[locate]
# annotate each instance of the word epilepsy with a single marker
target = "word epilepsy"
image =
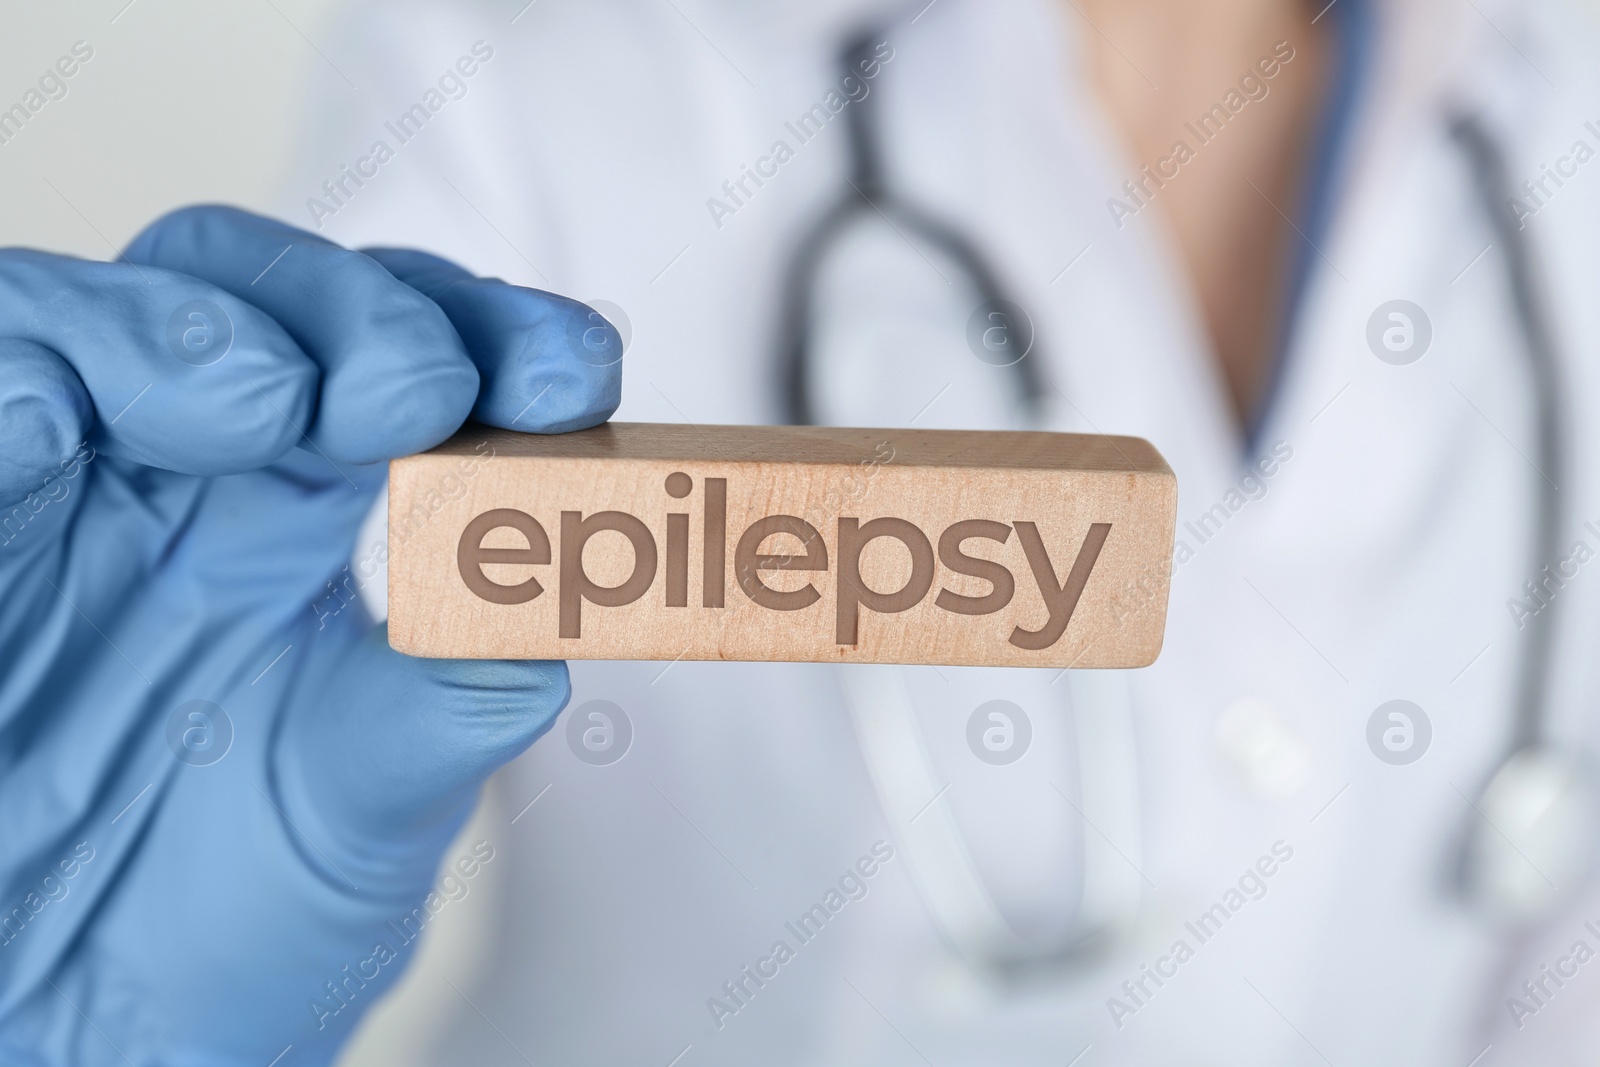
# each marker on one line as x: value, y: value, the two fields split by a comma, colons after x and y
x: 1058, y: 599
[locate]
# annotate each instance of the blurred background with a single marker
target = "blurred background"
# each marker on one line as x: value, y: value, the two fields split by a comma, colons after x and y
x: 182, y: 101
x: 186, y: 101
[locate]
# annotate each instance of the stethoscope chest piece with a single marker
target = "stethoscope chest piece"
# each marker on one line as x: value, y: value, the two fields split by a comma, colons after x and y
x: 1533, y: 837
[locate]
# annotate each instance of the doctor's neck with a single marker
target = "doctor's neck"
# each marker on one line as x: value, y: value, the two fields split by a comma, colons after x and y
x: 1220, y: 100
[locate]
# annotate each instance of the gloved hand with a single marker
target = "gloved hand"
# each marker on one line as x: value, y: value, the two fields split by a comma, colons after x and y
x: 189, y: 440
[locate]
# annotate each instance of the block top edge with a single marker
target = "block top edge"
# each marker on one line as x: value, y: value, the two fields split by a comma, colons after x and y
x: 1002, y: 449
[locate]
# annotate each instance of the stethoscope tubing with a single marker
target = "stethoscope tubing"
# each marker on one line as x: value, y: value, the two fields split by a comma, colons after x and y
x: 1486, y: 162
x: 870, y: 194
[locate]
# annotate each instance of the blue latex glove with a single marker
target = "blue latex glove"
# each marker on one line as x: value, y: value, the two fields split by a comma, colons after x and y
x: 189, y: 440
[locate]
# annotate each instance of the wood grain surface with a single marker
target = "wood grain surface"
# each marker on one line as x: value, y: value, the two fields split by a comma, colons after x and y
x: 825, y: 545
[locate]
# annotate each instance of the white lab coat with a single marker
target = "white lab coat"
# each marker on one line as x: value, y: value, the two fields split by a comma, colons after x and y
x: 1377, y: 565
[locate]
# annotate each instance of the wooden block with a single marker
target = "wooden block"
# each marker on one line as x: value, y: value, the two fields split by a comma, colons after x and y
x: 640, y: 541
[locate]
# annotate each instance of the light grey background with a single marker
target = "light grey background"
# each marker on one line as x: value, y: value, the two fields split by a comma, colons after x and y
x: 184, y: 101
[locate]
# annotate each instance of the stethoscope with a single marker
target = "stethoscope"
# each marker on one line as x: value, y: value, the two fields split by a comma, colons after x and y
x: 1529, y: 838
x: 1526, y: 843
